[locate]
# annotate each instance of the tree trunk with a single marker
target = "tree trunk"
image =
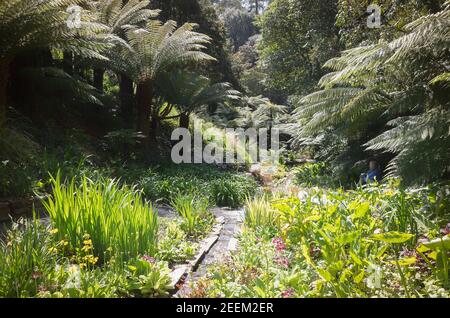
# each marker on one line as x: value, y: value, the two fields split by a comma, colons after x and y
x: 68, y: 63
x: 98, y: 79
x: 4, y: 76
x: 184, y: 120
x: 126, y: 100
x: 144, y: 96
x: 155, y: 124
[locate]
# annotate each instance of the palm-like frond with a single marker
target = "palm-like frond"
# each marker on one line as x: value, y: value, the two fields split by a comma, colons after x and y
x: 189, y: 91
x: 404, y: 81
x: 157, y: 48
x: 117, y: 15
x: 30, y: 24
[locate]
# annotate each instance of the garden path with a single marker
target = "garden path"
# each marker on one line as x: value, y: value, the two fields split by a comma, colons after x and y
x: 225, y: 245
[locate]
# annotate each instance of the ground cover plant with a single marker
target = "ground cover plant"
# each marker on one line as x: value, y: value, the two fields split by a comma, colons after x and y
x: 102, y: 240
x: 377, y: 241
x: 222, y: 188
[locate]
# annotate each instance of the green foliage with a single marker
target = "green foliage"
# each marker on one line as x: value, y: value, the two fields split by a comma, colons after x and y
x: 112, y: 217
x: 363, y: 93
x: 33, y: 263
x: 259, y: 214
x: 231, y: 192
x: 174, y: 245
x: 188, y: 92
x: 24, y: 253
x: 297, y: 38
x: 164, y: 182
x: 149, y: 277
x: 335, y: 243
x: 193, y: 211
x: 314, y: 174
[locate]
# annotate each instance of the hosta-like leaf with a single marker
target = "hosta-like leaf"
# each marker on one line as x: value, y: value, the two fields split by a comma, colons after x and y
x: 392, y: 237
x: 439, y: 243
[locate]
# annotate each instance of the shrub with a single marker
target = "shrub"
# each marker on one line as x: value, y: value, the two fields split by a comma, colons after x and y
x: 336, y: 243
x: 231, y: 192
x: 174, y: 245
x: 26, y: 256
x: 314, y: 174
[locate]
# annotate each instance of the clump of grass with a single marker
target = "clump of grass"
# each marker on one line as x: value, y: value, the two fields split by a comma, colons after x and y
x: 25, y: 255
x: 231, y: 192
x: 115, y: 218
x: 193, y: 211
x: 259, y: 213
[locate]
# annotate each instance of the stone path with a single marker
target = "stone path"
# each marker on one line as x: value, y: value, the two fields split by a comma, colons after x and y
x: 225, y: 245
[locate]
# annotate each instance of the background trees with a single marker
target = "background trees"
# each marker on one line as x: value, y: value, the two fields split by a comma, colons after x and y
x: 30, y: 25
x: 297, y: 38
x: 384, y: 97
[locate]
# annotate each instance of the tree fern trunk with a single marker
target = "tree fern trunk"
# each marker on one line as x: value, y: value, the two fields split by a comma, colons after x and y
x: 126, y: 100
x: 68, y: 63
x: 4, y: 76
x: 144, y: 96
x: 184, y: 120
x: 98, y: 79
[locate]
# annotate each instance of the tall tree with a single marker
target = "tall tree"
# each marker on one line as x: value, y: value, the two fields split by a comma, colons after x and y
x: 188, y: 92
x: 26, y: 25
x: 117, y: 15
x: 202, y: 13
x: 298, y: 36
x: 153, y: 50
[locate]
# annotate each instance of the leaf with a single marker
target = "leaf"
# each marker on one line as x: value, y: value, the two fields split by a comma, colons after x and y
x: 355, y: 258
x: 422, y: 248
x: 407, y: 261
x: 361, y: 210
x: 347, y: 237
x: 392, y: 237
x: 438, y: 243
x: 305, y: 253
x: 433, y: 255
x: 325, y: 274
x: 358, y: 278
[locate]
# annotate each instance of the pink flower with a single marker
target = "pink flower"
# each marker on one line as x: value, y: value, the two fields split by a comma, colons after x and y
x: 148, y: 259
x: 42, y: 288
x: 35, y: 275
x: 282, y: 261
x: 279, y: 244
x: 446, y: 230
x: 287, y: 293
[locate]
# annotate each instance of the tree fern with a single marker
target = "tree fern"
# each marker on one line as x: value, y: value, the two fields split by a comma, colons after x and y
x: 403, y: 83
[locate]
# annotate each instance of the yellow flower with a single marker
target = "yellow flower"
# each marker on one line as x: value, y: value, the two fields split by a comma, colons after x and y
x: 86, y: 248
x: 91, y: 259
x: 82, y: 265
x: 133, y: 268
x: 73, y: 269
x: 63, y: 242
x: 54, y: 231
x: 52, y: 250
x: 87, y: 242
